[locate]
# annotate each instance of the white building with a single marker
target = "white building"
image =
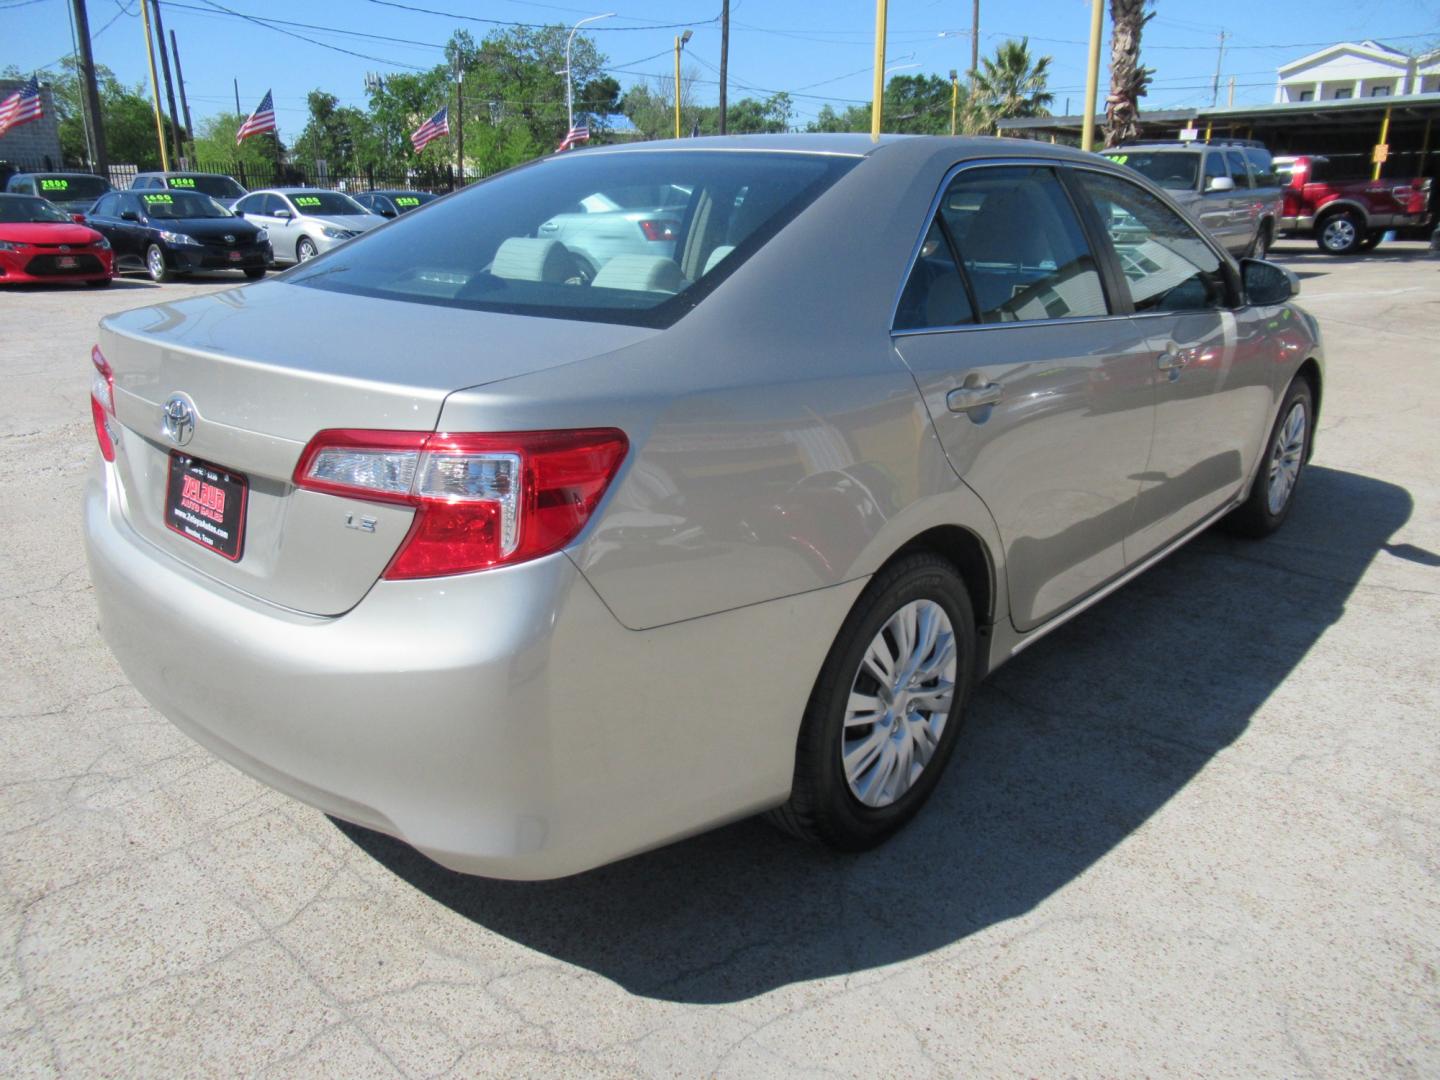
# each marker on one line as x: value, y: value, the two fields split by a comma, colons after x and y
x: 1356, y: 69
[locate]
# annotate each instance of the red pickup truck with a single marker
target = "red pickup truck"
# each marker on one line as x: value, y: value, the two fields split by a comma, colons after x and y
x: 1346, y: 216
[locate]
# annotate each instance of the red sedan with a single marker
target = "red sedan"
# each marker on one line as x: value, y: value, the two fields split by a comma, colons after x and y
x: 40, y: 243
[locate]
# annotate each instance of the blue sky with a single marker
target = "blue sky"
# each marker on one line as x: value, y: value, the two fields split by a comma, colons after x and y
x: 818, y: 49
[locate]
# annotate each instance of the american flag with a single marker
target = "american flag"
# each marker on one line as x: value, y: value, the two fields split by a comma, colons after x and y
x: 262, y: 119
x: 431, y: 129
x: 20, y: 107
x: 577, y: 134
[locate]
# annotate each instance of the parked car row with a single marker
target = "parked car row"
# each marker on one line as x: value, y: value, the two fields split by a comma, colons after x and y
x: 170, y: 224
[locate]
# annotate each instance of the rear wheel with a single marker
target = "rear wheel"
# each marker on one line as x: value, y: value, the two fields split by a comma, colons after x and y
x: 886, y: 709
x: 1260, y: 246
x: 1269, y: 502
x: 1341, y: 233
x: 155, y: 264
x: 305, y: 249
x: 1371, y: 242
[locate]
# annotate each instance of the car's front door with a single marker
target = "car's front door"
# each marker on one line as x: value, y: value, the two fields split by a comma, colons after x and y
x: 1041, y: 395
x: 1213, y: 361
x: 130, y: 232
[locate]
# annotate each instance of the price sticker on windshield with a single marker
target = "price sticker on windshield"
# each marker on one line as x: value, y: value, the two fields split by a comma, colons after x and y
x: 182, y: 181
x: 306, y: 200
x: 1118, y: 159
x: 54, y: 185
x: 160, y: 198
x: 406, y: 200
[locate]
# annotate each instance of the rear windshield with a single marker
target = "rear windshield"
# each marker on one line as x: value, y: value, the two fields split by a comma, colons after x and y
x: 172, y: 205
x: 1172, y: 169
x: 325, y: 203
x: 25, y: 210
x: 221, y: 187
x: 635, y: 238
x: 70, y: 188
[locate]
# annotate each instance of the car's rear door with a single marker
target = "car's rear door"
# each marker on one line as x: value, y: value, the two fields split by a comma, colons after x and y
x: 1215, y: 209
x: 1213, y: 361
x: 1040, y: 390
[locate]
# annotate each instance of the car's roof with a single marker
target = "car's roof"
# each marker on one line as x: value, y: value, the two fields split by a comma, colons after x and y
x: 297, y: 191
x: 389, y: 191
x: 181, y: 172
x: 1174, y: 148
x: 57, y: 172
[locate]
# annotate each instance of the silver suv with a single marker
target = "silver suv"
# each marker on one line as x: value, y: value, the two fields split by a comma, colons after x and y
x: 1230, y: 187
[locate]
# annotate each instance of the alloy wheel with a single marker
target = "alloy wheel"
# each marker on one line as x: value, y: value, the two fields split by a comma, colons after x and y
x: 1339, y: 234
x: 899, y: 703
x: 155, y: 264
x: 1286, y: 457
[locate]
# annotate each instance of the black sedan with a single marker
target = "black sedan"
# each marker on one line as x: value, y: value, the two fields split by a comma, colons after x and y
x: 169, y: 233
x: 392, y: 203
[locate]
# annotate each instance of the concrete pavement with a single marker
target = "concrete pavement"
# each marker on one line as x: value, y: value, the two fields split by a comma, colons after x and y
x: 1196, y: 831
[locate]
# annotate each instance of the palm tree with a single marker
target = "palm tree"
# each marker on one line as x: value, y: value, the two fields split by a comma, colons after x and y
x: 1011, y: 84
x: 1128, y: 80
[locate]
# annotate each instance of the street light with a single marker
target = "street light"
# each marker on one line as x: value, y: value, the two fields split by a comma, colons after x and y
x: 680, y: 43
x: 569, y: 87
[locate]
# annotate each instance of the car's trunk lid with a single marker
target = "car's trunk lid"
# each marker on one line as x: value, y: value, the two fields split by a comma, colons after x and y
x: 262, y: 369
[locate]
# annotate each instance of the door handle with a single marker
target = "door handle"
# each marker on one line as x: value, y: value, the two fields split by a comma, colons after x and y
x: 1172, y: 359
x: 965, y: 398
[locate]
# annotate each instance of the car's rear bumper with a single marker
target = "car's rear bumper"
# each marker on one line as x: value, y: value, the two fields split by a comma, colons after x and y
x: 504, y: 722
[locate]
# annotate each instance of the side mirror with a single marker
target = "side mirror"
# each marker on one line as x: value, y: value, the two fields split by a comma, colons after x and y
x: 129, y: 215
x: 283, y: 214
x: 1220, y: 183
x: 387, y: 212
x: 1266, y: 284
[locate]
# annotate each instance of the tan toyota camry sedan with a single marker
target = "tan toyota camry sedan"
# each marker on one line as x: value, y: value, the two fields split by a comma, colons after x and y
x: 536, y: 558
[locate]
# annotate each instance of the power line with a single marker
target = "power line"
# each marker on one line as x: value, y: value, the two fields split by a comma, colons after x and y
x: 312, y: 41
x: 539, y: 26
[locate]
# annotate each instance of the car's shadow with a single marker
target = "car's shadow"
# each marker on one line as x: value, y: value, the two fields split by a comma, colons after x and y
x: 1068, y: 749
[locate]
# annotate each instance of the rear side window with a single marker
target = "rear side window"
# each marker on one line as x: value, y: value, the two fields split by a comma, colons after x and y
x: 1166, y: 265
x: 1021, y: 247
x: 1262, y: 165
x: 935, y: 295
x: 635, y: 238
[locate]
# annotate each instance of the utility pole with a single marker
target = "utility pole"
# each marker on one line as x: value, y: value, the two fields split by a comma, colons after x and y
x: 237, y: 100
x: 169, y: 86
x: 877, y: 106
x: 954, y: 98
x: 89, y: 95
x: 1219, y: 63
x: 724, y: 57
x: 184, y: 105
x: 154, y: 87
x: 974, y: 42
x: 681, y: 41
x: 460, y: 117
x: 1092, y: 76
x: 1231, y: 103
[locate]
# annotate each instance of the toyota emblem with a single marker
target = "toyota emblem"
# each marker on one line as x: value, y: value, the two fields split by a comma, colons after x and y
x: 64, y: 247
x: 229, y: 239
x: 179, y: 420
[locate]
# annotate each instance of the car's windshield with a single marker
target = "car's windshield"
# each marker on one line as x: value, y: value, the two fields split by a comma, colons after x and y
x: 527, y: 242
x: 171, y: 205
x: 326, y: 203
x: 71, y: 188
x: 220, y: 187
x: 23, y: 210
x: 1172, y: 169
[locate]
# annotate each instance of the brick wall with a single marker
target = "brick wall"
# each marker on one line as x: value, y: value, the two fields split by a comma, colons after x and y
x: 30, y: 144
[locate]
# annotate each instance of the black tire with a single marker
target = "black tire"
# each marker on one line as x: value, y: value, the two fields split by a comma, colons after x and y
x: 1340, y: 233
x: 822, y: 807
x: 1372, y: 241
x: 305, y: 249
x: 100, y: 283
x: 1260, y: 246
x: 157, y: 266
x: 1255, y: 517
x: 256, y: 273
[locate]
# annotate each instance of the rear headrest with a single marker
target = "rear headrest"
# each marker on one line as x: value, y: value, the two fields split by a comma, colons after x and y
x: 527, y: 259
x: 640, y: 273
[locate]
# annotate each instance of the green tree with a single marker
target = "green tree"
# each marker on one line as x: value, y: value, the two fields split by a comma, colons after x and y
x: 332, y: 134
x: 215, y: 149
x: 917, y: 105
x: 854, y: 118
x: 1010, y: 84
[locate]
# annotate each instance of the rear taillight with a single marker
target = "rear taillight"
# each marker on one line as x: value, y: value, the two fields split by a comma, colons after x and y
x: 658, y: 229
x: 480, y: 500
x: 102, y: 403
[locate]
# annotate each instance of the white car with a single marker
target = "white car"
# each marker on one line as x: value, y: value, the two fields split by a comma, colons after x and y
x: 305, y: 222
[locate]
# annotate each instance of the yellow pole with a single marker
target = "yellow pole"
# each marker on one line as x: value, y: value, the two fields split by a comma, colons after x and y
x: 877, y: 108
x: 1424, y: 147
x: 1384, y: 134
x: 677, y: 86
x: 154, y: 85
x: 1092, y: 76
x: 954, y: 99
x: 1209, y: 127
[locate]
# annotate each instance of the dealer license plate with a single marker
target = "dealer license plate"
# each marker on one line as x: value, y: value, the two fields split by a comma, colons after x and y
x: 67, y: 262
x: 206, y: 504
x: 236, y: 256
